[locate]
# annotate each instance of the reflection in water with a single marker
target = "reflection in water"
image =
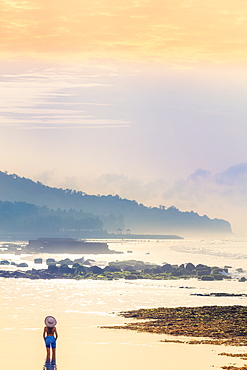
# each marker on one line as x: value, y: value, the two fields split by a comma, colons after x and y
x: 50, y: 365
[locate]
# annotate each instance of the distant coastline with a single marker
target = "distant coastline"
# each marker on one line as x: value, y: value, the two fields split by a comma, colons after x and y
x: 142, y: 236
x: 11, y: 237
x: 37, y: 210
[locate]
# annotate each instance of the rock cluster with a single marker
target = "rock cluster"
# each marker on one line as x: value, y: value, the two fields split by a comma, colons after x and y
x: 130, y: 270
x: 223, y: 324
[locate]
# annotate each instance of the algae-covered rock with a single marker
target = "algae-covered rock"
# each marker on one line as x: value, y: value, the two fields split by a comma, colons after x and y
x: 95, y: 270
x: 167, y: 268
x: 111, y: 268
x: 4, y: 262
x: 217, y: 277
x: 50, y: 260
x: 66, y: 261
x: 207, y: 278
x: 38, y: 260
x: 242, y: 279
x: 131, y: 277
x: 189, y: 266
x: 64, y: 269
x: 52, y: 268
x: 22, y: 264
x: 224, y: 324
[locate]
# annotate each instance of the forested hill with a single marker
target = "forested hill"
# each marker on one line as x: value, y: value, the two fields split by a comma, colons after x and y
x: 21, y: 218
x: 116, y: 214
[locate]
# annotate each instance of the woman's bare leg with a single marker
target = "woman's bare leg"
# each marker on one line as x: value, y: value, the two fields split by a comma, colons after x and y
x: 53, y: 354
x: 48, y: 353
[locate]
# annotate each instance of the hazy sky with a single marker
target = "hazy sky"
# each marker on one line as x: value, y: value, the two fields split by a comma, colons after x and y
x: 145, y: 99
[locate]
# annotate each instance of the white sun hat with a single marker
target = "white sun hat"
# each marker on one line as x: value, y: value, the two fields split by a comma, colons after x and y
x: 50, y: 321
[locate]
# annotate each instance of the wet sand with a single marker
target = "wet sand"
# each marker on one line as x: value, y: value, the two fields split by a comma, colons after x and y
x: 88, y: 346
x: 80, y: 310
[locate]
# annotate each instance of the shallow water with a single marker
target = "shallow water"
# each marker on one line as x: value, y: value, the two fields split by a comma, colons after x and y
x: 81, y: 307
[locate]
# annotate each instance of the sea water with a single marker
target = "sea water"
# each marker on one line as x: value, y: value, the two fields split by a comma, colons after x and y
x: 83, y: 307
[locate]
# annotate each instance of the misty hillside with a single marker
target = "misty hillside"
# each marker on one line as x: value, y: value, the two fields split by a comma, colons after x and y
x: 115, y: 214
x: 20, y: 218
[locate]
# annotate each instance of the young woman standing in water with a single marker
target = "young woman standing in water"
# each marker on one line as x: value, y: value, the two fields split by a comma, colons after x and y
x: 50, y: 336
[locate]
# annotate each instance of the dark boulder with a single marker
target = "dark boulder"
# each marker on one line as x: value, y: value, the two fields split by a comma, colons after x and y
x: 200, y: 266
x: 79, y: 260
x: 5, y: 274
x: 64, y: 269
x: 180, y: 272
x: 205, y: 271
x: 167, y: 268
x: 4, y: 262
x: 239, y: 269
x: 157, y: 270
x: 112, y: 269
x: 45, y: 275
x: 189, y: 266
x: 81, y: 268
x: 242, y: 279
x: 95, y: 270
x: 66, y: 261
x: 38, y: 260
x: 148, y: 271
x: 129, y: 268
x: 19, y: 274
x: 88, y: 262
x: 131, y: 277
x: 53, y: 269
x: 75, y: 265
x: 22, y: 264
x: 207, y: 278
x: 50, y: 260
x: 218, y: 277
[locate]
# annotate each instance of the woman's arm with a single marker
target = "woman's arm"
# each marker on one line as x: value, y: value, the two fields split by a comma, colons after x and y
x: 56, y: 334
x: 45, y: 330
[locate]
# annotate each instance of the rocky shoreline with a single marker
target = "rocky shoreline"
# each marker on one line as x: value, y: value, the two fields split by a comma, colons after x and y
x: 218, y: 324
x: 129, y: 270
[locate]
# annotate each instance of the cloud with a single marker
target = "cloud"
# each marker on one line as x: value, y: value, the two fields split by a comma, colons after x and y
x: 200, y: 192
x: 127, y: 187
x: 203, y: 186
x: 58, y: 99
x: 220, y: 195
x: 234, y: 176
x: 200, y: 175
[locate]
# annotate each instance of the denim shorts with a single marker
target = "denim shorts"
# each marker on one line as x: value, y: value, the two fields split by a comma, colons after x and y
x: 50, y: 341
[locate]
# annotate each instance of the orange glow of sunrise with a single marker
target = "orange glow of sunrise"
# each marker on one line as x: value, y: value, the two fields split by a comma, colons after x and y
x: 128, y: 29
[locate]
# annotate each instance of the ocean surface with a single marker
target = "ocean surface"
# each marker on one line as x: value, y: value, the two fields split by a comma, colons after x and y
x: 82, y: 307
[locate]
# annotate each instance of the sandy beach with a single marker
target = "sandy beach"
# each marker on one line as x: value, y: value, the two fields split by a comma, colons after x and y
x: 82, y: 343
x: 81, y: 308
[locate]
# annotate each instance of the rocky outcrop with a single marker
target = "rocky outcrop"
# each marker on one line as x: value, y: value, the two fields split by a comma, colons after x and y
x: 130, y: 270
x: 223, y: 324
